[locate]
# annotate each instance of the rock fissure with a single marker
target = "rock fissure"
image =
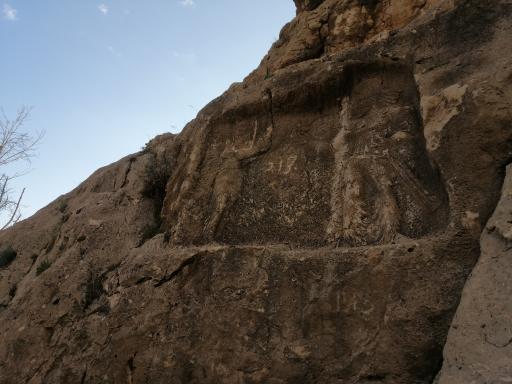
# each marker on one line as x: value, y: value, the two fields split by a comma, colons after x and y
x: 169, y: 277
x: 127, y: 172
x: 84, y: 376
x: 131, y: 368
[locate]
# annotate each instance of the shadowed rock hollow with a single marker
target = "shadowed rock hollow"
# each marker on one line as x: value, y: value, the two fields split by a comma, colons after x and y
x: 314, y: 224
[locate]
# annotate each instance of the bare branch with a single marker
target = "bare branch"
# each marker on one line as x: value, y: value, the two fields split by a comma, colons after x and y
x: 16, y: 145
x: 15, y: 217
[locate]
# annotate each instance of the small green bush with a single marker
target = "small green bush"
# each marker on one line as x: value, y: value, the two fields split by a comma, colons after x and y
x: 63, y: 205
x: 93, y: 290
x: 7, y: 255
x: 43, y: 267
x: 268, y: 75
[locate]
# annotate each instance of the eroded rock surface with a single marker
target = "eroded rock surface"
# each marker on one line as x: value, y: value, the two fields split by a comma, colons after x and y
x: 479, y: 347
x: 314, y: 224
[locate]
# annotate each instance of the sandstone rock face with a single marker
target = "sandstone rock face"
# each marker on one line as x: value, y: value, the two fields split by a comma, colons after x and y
x: 479, y: 347
x: 314, y: 224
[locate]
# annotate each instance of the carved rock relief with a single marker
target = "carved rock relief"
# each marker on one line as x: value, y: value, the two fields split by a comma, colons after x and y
x: 354, y: 172
x: 285, y: 193
x: 384, y: 183
x: 228, y: 181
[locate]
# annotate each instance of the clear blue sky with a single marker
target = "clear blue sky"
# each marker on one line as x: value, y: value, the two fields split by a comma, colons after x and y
x: 104, y: 77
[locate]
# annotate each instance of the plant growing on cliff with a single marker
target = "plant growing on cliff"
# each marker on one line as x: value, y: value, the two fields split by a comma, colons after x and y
x: 156, y: 176
x: 43, y: 267
x: 268, y: 75
x: 16, y: 145
x: 7, y: 255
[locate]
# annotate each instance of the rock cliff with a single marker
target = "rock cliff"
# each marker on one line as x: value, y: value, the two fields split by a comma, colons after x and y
x: 314, y: 224
x: 479, y: 343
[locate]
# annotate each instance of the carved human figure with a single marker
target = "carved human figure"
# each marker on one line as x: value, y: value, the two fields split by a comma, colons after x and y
x: 384, y: 183
x: 228, y: 181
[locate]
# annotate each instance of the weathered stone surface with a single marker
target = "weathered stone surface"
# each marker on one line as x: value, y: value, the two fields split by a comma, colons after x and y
x: 306, y: 5
x: 479, y: 346
x: 314, y: 224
